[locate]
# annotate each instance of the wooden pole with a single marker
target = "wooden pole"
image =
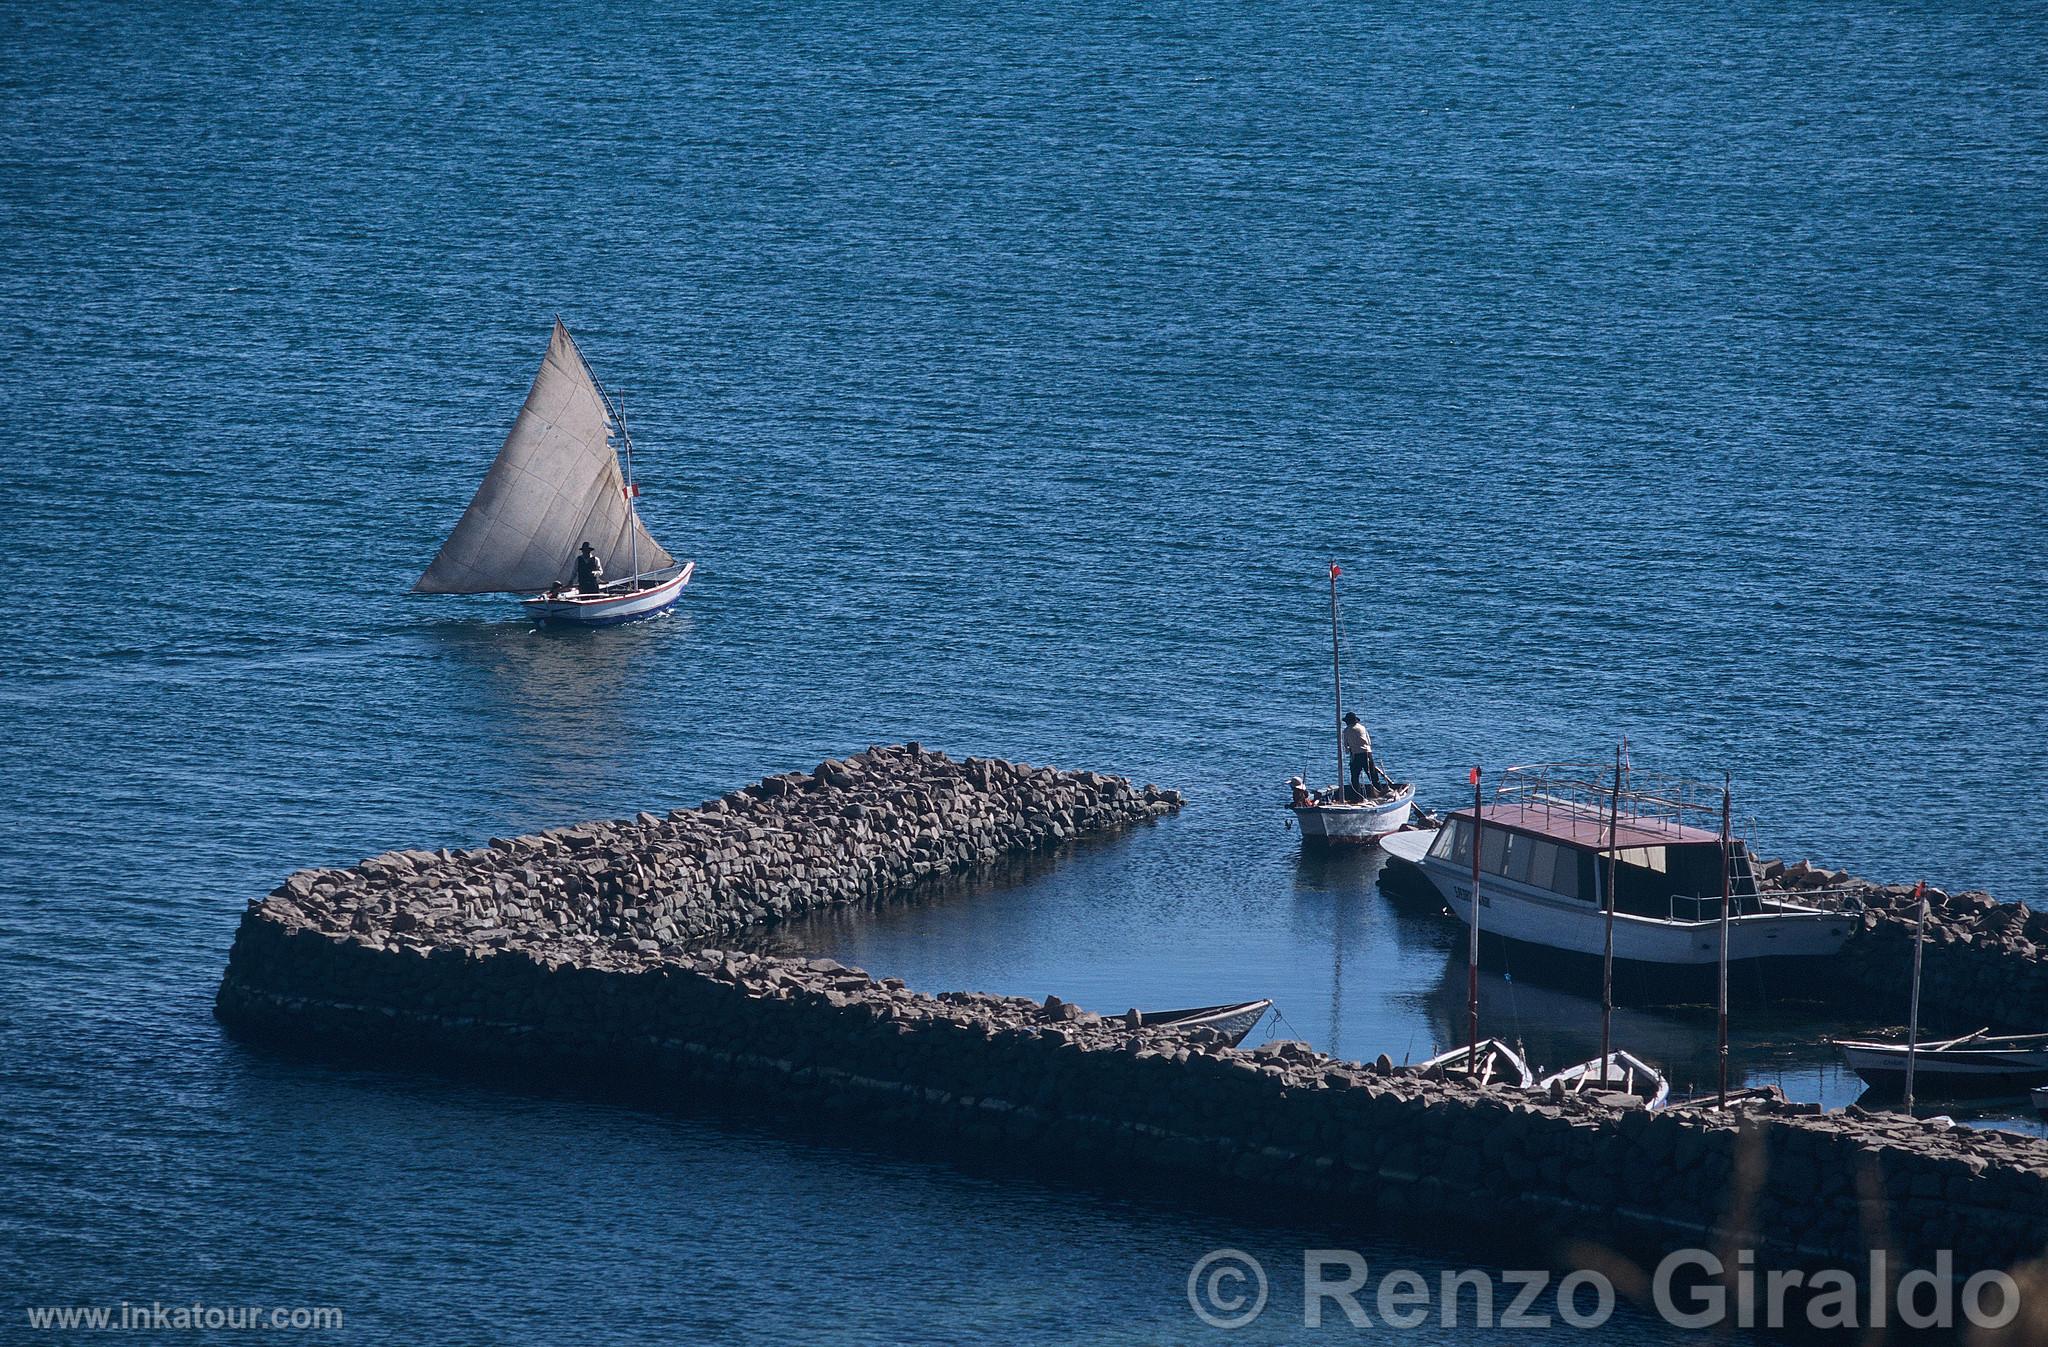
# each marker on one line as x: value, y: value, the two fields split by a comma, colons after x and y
x: 1607, y: 959
x: 1337, y: 677
x: 1913, y: 1013
x: 1472, y: 954
x: 1721, y: 1001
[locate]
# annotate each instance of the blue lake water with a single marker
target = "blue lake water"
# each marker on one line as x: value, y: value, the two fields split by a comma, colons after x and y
x: 1011, y: 377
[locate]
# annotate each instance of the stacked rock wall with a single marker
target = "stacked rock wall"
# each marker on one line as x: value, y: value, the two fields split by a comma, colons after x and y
x: 584, y: 949
x: 1282, y: 1125
x: 1985, y: 963
x: 862, y: 828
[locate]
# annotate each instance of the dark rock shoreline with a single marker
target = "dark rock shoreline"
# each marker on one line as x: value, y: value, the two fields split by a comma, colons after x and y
x: 590, y: 950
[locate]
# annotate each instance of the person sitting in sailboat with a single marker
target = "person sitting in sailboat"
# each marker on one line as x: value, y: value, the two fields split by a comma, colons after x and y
x: 590, y: 571
x: 1358, y: 744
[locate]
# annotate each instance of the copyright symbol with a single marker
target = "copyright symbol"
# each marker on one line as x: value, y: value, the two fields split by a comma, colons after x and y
x: 1216, y: 1288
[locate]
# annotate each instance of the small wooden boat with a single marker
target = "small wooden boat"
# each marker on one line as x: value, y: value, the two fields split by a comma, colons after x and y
x: 1498, y: 1064
x: 1341, y: 815
x: 555, y: 486
x: 1333, y: 820
x: 1234, y: 1022
x: 1617, y: 1073
x: 1970, y: 1064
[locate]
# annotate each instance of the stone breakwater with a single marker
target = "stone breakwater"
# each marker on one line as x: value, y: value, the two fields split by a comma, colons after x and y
x: 863, y: 828
x: 1047, y: 1083
x: 1985, y: 962
x: 585, y: 950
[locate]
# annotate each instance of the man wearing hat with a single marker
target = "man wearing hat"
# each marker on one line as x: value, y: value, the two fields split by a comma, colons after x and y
x: 1358, y: 744
x: 589, y: 572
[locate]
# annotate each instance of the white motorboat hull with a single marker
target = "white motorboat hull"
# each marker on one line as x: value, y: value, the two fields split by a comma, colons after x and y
x: 1520, y: 912
x: 1355, y: 824
x: 610, y: 607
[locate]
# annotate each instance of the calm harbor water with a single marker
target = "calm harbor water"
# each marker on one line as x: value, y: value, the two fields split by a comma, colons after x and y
x: 1011, y: 377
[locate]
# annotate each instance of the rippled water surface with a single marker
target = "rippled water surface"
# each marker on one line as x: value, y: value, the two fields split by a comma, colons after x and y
x: 1011, y: 377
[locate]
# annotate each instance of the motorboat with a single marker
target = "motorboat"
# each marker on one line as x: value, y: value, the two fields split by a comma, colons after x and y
x: 1554, y: 834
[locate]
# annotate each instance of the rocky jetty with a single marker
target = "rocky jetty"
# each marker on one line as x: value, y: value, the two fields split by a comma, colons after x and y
x: 593, y: 951
x: 1283, y: 1125
x: 862, y: 828
x: 1985, y: 961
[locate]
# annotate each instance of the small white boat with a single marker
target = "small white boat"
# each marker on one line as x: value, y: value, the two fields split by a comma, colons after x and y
x: 1234, y: 1022
x: 1498, y: 1064
x: 1335, y: 821
x: 613, y: 603
x: 556, y: 485
x: 1617, y: 1073
x: 1970, y: 1064
x: 1341, y: 815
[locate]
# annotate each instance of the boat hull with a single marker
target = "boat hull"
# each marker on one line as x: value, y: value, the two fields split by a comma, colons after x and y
x: 1354, y: 825
x: 1954, y: 1072
x: 610, y: 609
x: 1522, y: 914
x: 1233, y: 1022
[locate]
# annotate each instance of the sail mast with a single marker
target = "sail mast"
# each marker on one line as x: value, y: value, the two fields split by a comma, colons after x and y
x: 632, y: 493
x: 1337, y: 677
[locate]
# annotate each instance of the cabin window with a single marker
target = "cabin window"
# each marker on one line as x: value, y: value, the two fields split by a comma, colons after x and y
x: 1454, y: 843
x: 1564, y: 872
x: 1529, y: 859
x: 1493, y: 851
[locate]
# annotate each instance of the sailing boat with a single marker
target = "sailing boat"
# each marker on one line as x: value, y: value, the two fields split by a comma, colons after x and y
x: 556, y: 485
x: 1339, y: 816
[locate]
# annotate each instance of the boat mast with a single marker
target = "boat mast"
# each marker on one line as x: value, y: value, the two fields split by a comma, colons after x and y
x: 1721, y: 1046
x: 1472, y: 953
x: 632, y: 493
x: 1337, y: 676
x: 1607, y: 959
x: 1913, y: 1015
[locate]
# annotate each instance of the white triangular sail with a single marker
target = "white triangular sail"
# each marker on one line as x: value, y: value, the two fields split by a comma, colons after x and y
x: 554, y: 486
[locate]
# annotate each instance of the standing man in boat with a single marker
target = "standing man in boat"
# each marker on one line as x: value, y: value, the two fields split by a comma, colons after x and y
x: 590, y: 571
x: 1358, y: 744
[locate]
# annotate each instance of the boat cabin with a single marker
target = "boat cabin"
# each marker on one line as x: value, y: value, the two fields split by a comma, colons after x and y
x: 1663, y: 870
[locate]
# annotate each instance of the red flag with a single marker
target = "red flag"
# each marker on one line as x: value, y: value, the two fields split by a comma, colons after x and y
x: 1475, y: 776
x: 630, y: 492
x: 1335, y: 570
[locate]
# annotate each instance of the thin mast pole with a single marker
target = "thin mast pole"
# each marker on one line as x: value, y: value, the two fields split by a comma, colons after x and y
x: 1722, y: 1001
x: 1607, y: 961
x: 1472, y: 953
x: 1337, y: 677
x: 1913, y: 1015
x: 632, y: 501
